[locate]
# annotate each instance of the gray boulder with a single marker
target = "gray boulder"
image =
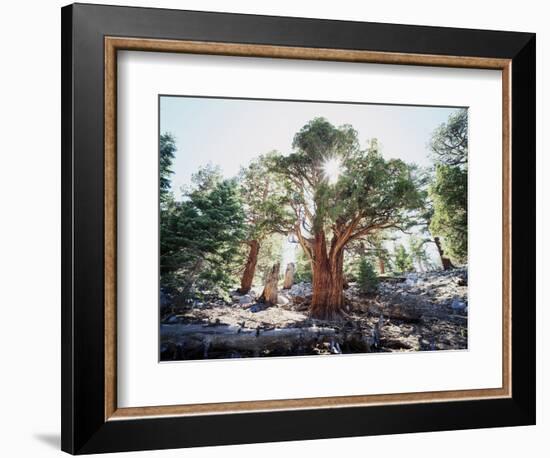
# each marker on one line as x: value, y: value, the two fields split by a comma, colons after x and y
x: 246, y: 300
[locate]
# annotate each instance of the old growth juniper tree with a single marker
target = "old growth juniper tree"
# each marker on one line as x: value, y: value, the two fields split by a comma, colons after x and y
x: 339, y: 193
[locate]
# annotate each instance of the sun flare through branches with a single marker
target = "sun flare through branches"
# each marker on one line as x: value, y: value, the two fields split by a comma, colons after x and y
x: 332, y: 168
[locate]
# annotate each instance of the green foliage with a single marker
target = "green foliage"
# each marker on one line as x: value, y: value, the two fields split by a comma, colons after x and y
x: 167, y: 152
x: 262, y: 197
x: 371, y: 248
x: 205, y: 179
x: 449, y: 189
x: 449, y: 143
x: 450, y: 220
x: 367, y: 280
x: 303, y: 267
x: 418, y: 252
x: 351, y: 262
x: 378, y: 248
x: 201, y: 237
x: 368, y: 194
x: 402, y: 259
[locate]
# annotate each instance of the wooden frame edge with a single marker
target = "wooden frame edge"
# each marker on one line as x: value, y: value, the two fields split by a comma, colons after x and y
x: 112, y: 45
x: 110, y: 202
x: 291, y: 52
x: 507, y: 227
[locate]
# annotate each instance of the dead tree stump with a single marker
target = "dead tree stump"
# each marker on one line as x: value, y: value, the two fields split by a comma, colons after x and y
x: 289, y: 276
x: 269, y: 295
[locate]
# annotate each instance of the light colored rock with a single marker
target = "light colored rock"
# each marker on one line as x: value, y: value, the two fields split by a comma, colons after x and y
x: 282, y: 300
x: 300, y: 289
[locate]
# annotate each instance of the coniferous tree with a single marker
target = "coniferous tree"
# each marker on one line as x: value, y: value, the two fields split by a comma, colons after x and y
x: 402, y: 259
x: 201, y: 236
x: 418, y: 253
x: 449, y: 189
x: 367, y: 279
x: 167, y: 153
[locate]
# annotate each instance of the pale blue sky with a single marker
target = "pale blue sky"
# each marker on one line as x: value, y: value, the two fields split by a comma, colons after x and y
x: 231, y: 132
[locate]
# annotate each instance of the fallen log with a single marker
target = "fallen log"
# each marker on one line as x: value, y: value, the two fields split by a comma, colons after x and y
x: 388, y: 279
x: 240, y: 337
x: 197, y: 339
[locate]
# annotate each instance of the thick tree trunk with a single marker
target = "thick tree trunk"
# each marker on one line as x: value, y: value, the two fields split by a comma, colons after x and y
x: 381, y: 266
x: 289, y: 276
x: 328, y: 282
x: 270, y: 293
x: 250, y: 267
x: 445, y: 261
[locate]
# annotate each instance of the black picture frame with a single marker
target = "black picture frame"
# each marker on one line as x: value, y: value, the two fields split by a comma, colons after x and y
x: 84, y: 428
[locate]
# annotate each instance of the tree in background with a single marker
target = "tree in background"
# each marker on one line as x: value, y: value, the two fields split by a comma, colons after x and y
x: 449, y: 189
x: 425, y: 217
x: 402, y: 259
x: 340, y: 193
x: 167, y: 151
x: 201, y: 236
x: 168, y: 209
x: 372, y: 248
x: 418, y: 253
x: 264, y: 209
x: 367, y: 280
x: 379, y: 250
x: 449, y: 143
x: 303, y: 267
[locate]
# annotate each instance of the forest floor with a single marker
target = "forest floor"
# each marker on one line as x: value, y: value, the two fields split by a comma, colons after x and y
x: 417, y: 312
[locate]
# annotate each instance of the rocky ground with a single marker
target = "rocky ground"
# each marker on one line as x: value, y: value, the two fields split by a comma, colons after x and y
x: 417, y: 312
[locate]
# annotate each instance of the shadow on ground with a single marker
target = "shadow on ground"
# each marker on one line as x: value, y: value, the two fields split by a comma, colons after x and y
x: 51, y: 439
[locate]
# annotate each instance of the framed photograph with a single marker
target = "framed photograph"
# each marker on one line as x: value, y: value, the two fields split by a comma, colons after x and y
x: 282, y: 228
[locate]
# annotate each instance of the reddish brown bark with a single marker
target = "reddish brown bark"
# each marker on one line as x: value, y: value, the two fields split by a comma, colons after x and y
x: 328, y: 281
x: 250, y: 267
x: 445, y: 261
x: 381, y: 266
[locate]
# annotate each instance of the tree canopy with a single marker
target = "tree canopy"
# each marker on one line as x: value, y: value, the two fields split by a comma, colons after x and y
x: 370, y: 193
x: 263, y: 200
x: 449, y: 189
x: 449, y: 142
